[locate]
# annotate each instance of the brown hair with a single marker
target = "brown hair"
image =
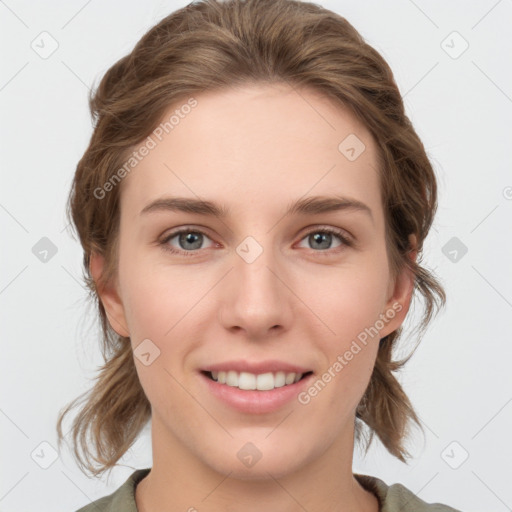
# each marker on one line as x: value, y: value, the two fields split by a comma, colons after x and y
x: 213, y: 45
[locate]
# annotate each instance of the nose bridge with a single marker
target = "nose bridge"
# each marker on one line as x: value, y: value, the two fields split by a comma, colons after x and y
x: 256, y: 265
x: 257, y: 299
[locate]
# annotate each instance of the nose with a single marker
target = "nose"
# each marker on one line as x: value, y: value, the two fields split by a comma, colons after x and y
x: 256, y: 298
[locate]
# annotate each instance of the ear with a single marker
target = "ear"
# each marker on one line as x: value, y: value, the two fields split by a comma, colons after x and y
x: 109, y: 296
x: 400, y: 294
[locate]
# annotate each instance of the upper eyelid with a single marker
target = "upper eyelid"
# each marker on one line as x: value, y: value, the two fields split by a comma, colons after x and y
x: 173, y: 232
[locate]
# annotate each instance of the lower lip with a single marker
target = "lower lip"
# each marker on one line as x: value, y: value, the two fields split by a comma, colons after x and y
x: 254, y: 401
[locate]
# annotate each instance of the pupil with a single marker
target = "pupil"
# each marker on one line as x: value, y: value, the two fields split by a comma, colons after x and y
x: 189, y: 238
x: 319, y: 236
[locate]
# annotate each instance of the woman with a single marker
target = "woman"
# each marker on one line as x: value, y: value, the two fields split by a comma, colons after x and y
x: 271, y: 138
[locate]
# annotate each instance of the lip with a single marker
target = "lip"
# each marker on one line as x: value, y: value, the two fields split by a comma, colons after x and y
x: 254, y: 401
x: 271, y: 365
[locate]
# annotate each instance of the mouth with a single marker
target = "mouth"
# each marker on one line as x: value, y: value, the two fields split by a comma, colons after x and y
x: 256, y: 382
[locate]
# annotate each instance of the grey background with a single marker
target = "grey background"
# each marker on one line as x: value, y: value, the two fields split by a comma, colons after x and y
x: 459, y: 380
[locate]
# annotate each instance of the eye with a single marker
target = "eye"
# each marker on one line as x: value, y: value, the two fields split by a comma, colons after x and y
x: 321, y: 238
x: 190, y: 240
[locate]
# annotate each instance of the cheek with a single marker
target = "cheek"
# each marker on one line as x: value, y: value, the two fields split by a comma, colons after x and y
x: 349, y: 300
x: 155, y: 298
x: 149, y: 311
x: 156, y: 309
x: 336, y: 391
x: 349, y: 310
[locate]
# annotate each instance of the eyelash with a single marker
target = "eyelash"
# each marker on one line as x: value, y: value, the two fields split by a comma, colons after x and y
x: 333, y: 231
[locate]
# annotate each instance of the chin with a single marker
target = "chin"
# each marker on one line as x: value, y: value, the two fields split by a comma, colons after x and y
x: 256, y: 473
x: 248, y: 463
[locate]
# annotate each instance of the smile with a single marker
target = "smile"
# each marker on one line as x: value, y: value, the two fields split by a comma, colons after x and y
x: 254, y: 393
x: 252, y: 381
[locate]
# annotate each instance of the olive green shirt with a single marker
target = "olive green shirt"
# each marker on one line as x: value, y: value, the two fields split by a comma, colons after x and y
x: 393, y: 498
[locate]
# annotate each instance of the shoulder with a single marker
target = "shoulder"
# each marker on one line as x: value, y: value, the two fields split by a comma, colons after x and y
x: 121, y: 500
x: 396, y: 497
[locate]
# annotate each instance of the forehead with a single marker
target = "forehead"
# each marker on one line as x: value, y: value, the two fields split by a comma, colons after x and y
x: 256, y: 144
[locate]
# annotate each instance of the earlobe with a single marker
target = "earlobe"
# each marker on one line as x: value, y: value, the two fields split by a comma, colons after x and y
x: 109, y: 296
x: 400, y: 297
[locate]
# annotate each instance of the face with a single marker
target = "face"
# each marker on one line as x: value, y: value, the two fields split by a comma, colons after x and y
x: 259, y: 285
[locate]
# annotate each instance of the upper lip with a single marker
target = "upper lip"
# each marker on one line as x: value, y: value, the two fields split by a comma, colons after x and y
x: 256, y: 367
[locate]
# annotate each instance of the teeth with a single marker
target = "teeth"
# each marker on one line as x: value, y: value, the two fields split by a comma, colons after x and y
x: 265, y: 381
x: 261, y: 382
x: 232, y: 379
x: 243, y: 381
x: 279, y: 379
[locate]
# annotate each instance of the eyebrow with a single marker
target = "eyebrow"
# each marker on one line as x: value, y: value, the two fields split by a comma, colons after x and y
x: 312, y: 205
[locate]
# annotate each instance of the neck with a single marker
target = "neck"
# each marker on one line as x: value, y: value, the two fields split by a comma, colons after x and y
x: 180, y: 481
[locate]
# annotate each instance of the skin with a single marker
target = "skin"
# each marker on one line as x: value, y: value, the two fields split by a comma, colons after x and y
x: 254, y: 149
